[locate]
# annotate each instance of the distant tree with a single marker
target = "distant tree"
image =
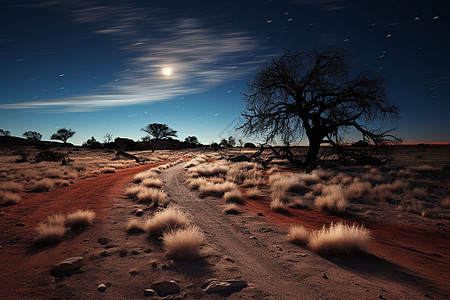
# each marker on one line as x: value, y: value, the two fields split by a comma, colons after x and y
x: 314, y: 94
x: 108, y: 138
x: 63, y: 134
x: 191, y: 140
x: 92, y: 143
x: 5, y: 132
x: 249, y: 145
x: 241, y: 142
x: 231, y: 142
x: 159, y: 131
x: 32, y: 135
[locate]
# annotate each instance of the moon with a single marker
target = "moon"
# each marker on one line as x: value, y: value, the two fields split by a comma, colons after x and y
x: 167, y: 71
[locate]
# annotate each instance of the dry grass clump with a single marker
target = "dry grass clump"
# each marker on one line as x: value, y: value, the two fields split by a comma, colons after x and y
x: 211, y: 169
x: 134, y: 226
x: 43, y: 185
x: 195, y: 183
x: 49, y: 233
x: 153, y: 196
x: 332, y: 199
x: 132, y: 191
x: 386, y: 191
x: 169, y: 219
x: 233, y: 196
x: 108, y: 170
x: 12, y: 187
x: 80, y: 218
x: 216, y: 189
x: 253, y: 193
x: 143, y: 175
x: 323, y: 174
x: 8, y: 198
x: 183, y: 243
x: 152, y: 182
x: 231, y: 209
x: 56, y: 220
x: 339, y: 239
x: 278, y: 206
x: 298, y: 235
x: 252, y: 182
x: 297, y: 203
x: 357, y: 189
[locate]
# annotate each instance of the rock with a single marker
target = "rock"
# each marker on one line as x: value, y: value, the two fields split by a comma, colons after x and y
x: 134, y: 272
x: 164, y: 288
x: 260, y: 214
x: 123, y: 253
x: 105, y: 254
x: 139, y: 212
x: 20, y: 224
x: 70, y: 264
x: 169, y: 264
x: 148, y: 250
x: 104, y: 241
x: 134, y: 252
x: 253, y: 237
x: 225, y: 287
x: 207, y: 282
x: 110, y: 246
x: 149, y: 292
x: 1, y: 247
x: 325, y: 276
x: 266, y: 230
x: 101, y: 287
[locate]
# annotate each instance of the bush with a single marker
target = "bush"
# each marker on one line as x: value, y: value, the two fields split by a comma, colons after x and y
x: 340, y: 239
x: 231, y: 209
x: 183, y: 243
x: 168, y: 219
x: 49, y: 233
x: 80, y: 218
x: 298, y: 235
x: 48, y: 155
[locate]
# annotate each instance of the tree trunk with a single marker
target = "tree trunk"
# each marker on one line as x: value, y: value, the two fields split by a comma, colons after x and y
x: 313, y: 151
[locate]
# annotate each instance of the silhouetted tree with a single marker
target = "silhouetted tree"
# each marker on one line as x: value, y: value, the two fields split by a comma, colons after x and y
x: 231, y: 142
x: 92, y: 143
x: 32, y: 135
x: 63, y: 134
x: 191, y: 140
x: 159, y: 131
x: 108, y: 138
x: 314, y: 94
x: 5, y: 132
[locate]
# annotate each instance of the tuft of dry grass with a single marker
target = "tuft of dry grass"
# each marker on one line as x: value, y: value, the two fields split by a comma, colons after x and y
x: 183, y: 243
x: 49, y: 233
x: 134, y: 226
x: 43, y: 185
x: 234, y: 196
x: 108, y: 170
x: 12, y: 187
x: 8, y: 198
x: 80, y: 218
x: 332, y: 199
x: 132, y: 191
x: 152, y: 182
x: 298, y: 235
x: 339, y: 239
x: 168, y: 219
x: 253, y: 193
x: 231, y: 209
x: 153, y: 196
x: 216, y: 189
x: 278, y: 206
x: 56, y: 220
x: 357, y: 189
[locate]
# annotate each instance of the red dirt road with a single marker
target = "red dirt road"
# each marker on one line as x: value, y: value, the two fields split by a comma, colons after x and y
x: 24, y: 269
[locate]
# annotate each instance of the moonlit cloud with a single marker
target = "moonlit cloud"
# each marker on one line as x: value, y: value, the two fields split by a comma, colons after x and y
x: 201, y: 57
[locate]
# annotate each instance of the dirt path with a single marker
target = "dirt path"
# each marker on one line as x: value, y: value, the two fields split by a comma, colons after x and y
x: 280, y: 270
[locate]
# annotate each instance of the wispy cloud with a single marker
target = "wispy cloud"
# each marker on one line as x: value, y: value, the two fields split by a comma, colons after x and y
x: 200, y: 56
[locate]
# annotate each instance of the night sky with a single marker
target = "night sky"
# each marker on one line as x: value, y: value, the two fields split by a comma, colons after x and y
x: 102, y: 67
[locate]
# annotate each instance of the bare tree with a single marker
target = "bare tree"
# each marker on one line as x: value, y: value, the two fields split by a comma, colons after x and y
x: 5, y: 132
x: 314, y: 94
x: 32, y: 135
x: 159, y: 131
x: 63, y: 134
x: 108, y: 138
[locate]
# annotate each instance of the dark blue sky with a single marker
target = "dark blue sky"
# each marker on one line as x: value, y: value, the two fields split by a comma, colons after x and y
x: 96, y: 66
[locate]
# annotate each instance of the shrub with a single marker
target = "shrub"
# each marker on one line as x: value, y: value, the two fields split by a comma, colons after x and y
x: 153, y: 196
x: 233, y: 196
x: 106, y: 170
x: 56, y: 220
x: 152, y: 182
x: 132, y: 191
x: 49, y: 233
x: 7, y: 198
x: 253, y: 193
x: 183, y: 243
x: 12, y: 187
x: 169, y: 219
x: 231, y: 209
x: 332, y: 199
x: 48, y: 155
x: 216, y: 189
x: 277, y: 206
x: 43, y: 185
x: 298, y: 235
x: 80, y: 218
x: 357, y: 189
x: 339, y: 239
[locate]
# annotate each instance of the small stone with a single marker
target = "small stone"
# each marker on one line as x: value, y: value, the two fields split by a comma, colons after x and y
x: 266, y: 230
x: 134, y: 252
x: 20, y: 224
x: 86, y: 240
x: 164, y: 288
x: 380, y: 296
x: 253, y: 237
x: 110, y: 246
x: 104, y: 241
x: 153, y: 263
x: 70, y: 264
x: 260, y: 214
x: 123, y: 253
x: 167, y: 265
x: 225, y: 287
x: 134, y: 272
x: 302, y: 255
x: 101, y: 287
x: 324, y: 276
x: 139, y: 212
x: 149, y: 292
x: 148, y: 250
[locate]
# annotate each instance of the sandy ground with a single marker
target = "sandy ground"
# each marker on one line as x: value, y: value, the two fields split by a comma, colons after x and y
x: 409, y: 262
